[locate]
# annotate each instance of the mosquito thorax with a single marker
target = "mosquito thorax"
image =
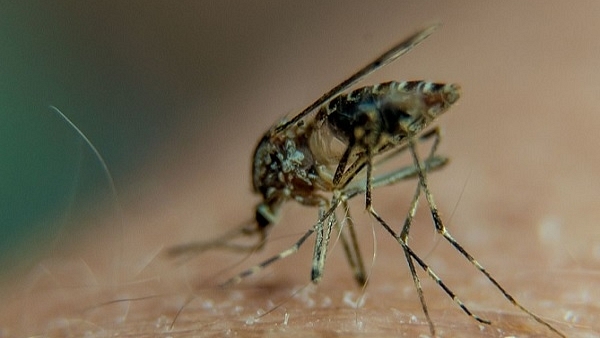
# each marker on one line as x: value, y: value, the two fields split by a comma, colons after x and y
x: 284, y: 168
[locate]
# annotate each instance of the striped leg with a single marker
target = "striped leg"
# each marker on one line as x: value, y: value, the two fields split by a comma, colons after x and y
x: 441, y: 229
x: 288, y: 252
x: 257, y: 268
x: 411, y: 265
x: 323, y: 230
x: 427, y: 269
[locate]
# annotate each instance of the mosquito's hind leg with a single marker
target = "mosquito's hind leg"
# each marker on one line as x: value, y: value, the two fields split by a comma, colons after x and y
x: 413, y: 256
x: 343, y: 177
x: 404, y: 235
x: 351, y: 247
x: 402, y: 238
x: 441, y: 229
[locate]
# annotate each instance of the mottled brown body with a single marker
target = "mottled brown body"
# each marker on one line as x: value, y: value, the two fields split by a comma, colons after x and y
x: 309, y: 158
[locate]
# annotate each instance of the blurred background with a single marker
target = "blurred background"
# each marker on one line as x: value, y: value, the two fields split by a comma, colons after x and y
x: 104, y: 66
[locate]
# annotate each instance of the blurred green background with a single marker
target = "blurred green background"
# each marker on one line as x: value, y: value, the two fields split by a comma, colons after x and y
x: 73, y: 55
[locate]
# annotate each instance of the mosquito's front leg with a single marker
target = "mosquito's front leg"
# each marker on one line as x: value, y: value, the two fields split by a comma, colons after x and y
x: 226, y: 242
x: 257, y: 268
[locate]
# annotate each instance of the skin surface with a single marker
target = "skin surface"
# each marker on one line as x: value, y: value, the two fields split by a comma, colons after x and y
x: 520, y: 192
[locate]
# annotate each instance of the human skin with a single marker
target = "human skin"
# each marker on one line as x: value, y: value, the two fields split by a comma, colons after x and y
x: 520, y: 193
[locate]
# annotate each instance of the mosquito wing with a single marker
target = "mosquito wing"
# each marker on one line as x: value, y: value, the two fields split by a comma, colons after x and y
x: 383, y: 60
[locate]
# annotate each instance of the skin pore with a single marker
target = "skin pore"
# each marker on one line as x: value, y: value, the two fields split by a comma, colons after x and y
x: 519, y: 193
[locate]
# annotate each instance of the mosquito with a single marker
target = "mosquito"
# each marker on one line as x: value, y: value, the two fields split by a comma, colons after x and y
x: 326, y: 155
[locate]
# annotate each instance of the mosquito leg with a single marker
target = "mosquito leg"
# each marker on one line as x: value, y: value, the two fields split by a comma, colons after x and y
x: 408, y: 251
x: 402, y: 241
x: 393, y: 177
x: 369, y: 187
x: 404, y: 234
x: 351, y: 248
x: 411, y: 265
x: 506, y: 295
x: 417, y: 282
x: 323, y: 230
x: 188, y: 250
x: 257, y: 268
x: 341, y: 167
x: 434, y: 132
x: 343, y: 176
x: 436, y: 161
x: 430, y: 163
x: 411, y: 215
x: 288, y: 252
x: 437, y: 138
x: 427, y: 269
x: 441, y: 229
x: 446, y: 289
